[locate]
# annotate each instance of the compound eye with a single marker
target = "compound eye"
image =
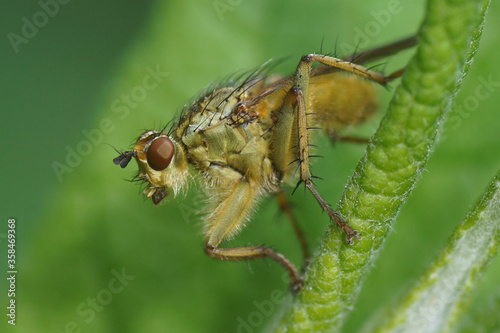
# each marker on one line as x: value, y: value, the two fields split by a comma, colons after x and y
x: 160, y: 153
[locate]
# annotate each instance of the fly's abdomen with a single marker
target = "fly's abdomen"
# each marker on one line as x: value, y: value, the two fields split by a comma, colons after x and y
x: 341, y: 99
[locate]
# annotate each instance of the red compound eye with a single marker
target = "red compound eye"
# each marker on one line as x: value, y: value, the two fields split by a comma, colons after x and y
x: 160, y: 153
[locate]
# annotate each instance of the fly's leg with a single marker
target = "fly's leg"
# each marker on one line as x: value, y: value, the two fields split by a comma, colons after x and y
x: 286, y: 208
x: 291, y: 127
x: 383, y: 51
x: 305, y: 172
x: 225, y: 221
x: 293, y: 112
x: 254, y: 252
x: 304, y: 69
x: 300, y: 90
x: 335, y: 137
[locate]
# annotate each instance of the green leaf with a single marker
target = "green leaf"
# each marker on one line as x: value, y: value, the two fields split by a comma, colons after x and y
x: 484, y: 318
x: 441, y: 296
x: 394, y: 159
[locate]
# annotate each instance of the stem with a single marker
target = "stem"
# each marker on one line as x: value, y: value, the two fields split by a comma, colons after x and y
x: 394, y: 159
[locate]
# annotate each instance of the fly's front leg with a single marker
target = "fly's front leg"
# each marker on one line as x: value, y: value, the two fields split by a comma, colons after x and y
x: 227, y: 218
x: 254, y: 252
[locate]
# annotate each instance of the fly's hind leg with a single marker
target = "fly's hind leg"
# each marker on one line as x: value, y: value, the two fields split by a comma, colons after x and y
x: 227, y: 218
x: 294, y: 116
x: 305, y: 172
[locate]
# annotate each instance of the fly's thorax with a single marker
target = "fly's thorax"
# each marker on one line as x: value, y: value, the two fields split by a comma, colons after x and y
x: 212, y: 109
x: 162, y: 164
x: 220, y: 148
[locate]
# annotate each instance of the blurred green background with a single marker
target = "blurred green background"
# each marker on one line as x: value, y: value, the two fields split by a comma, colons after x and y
x: 79, y: 228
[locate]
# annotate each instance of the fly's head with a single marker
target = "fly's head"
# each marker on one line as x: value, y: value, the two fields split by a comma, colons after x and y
x: 162, y: 164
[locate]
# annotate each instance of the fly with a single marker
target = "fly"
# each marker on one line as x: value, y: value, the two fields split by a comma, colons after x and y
x: 247, y: 136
